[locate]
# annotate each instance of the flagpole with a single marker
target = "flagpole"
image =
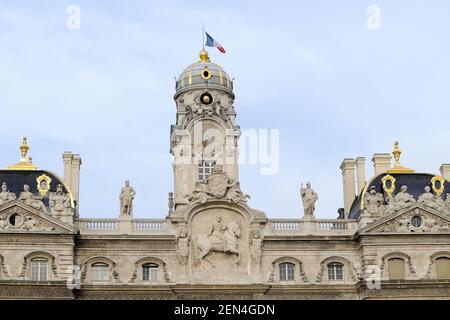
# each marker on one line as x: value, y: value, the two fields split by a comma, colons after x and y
x: 203, y: 34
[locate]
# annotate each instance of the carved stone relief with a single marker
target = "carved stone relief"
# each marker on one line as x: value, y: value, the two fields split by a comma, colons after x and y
x: 218, y: 186
x: 183, y: 245
x: 59, y: 202
x: 219, y: 246
x: 416, y: 220
x: 17, y: 219
x: 256, y: 241
x: 190, y: 102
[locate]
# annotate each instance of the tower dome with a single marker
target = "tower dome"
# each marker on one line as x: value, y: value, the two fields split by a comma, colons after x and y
x: 203, y: 74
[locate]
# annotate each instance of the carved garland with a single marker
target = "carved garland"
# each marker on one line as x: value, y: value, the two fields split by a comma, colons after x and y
x: 3, y: 267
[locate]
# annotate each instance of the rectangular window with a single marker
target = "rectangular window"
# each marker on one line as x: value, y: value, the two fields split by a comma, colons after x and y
x: 100, y: 272
x: 205, y: 169
x: 287, y: 271
x: 150, y: 272
x: 396, y: 268
x: 335, y: 271
x: 39, y: 270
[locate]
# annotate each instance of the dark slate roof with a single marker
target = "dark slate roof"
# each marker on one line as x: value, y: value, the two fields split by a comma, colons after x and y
x: 16, y: 179
x: 415, y: 182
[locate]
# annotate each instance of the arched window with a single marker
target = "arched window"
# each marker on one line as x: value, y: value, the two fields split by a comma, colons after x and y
x: 335, y: 271
x: 39, y: 269
x: 287, y: 271
x: 99, y: 272
x: 150, y: 272
x: 442, y: 268
x: 396, y: 268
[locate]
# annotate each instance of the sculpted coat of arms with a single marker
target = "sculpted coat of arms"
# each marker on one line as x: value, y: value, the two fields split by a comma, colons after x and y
x: 218, y: 185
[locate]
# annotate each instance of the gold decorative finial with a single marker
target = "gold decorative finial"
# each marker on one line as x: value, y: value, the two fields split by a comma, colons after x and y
x: 204, y: 57
x: 24, y: 163
x: 398, y: 168
x: 24, y: 149
x: 397, y: 152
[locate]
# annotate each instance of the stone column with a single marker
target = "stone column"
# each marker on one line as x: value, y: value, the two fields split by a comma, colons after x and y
x: 381, y: 162
x: 348, y: 178
x: 361, y: 173
x: 445, y: 171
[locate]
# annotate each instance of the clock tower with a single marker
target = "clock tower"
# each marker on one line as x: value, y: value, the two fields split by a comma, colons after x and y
x: 205, y: 133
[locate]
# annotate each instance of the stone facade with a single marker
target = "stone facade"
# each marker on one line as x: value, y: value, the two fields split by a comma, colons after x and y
x: 387, y: 243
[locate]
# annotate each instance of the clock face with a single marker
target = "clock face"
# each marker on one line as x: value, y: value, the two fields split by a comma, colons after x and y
x: 206, y: 98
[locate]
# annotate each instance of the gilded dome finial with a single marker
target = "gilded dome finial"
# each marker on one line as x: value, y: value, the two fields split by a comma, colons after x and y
x: 204, y: 57
x: 398, y: 168
x: 24, y: 163
x: 397, y: 152
x: 24, y: 149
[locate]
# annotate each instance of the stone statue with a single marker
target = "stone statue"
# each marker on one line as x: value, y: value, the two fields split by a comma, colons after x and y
x: 5, y: 195
x: 447, y: 201
x: 171, y: 203
x: 59, y: 202
x: 126, y: 199
x: 400, y: 201
x: 182, y: 245
x: 429, y: 199
x: 32, y: 200
x: 373, y: 201
x: 309, y: 198
x: 256, y: 244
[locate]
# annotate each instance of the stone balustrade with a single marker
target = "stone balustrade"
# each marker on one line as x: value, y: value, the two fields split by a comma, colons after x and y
x: 121, y: 226
x: 98, y: 224
x: 319, y: 226
x: 149, y: 224
x: 162, y: 226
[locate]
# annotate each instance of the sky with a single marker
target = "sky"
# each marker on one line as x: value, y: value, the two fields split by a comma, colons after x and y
x: 333, y: 85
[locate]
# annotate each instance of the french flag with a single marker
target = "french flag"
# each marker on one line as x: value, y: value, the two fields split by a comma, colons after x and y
x: 210, y: 42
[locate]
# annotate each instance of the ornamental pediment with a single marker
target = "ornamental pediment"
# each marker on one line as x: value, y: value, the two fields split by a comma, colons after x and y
x: 417, y: 218
x: 17, y: 217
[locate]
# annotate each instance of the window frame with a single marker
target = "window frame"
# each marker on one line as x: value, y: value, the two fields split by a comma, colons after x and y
x: 153, y: 273
x: 205, y: 168
x: 40, y: 262
x: 96, y: 271
x: 404, y: 266
x: 436, y: 267
x: 332, y: 269
x: 285, y: 273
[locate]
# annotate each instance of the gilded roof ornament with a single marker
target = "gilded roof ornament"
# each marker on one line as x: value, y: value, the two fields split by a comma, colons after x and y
x: 204, y: 57
x: 24, y: 163
x: 398, y: 168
